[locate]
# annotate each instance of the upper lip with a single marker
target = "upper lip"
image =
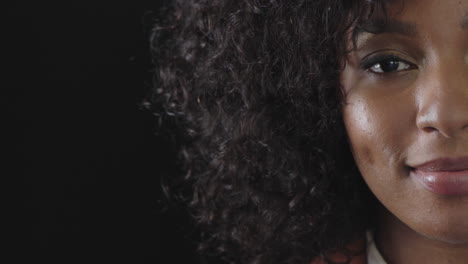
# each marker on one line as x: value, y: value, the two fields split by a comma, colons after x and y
x: 444, y: 164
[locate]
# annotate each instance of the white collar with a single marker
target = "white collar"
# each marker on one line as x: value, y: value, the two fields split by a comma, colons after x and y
x: 373, y: 254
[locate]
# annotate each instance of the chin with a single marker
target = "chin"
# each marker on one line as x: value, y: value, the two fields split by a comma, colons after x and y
x: 447, y: 229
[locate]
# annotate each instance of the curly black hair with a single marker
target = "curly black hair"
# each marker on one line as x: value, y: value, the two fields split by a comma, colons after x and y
x: 251, y: 91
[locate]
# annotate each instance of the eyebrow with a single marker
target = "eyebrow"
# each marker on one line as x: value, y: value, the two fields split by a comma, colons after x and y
x: 380, y: 26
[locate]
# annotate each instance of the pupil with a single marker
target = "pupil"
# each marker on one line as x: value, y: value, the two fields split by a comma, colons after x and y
x: 389, y: 66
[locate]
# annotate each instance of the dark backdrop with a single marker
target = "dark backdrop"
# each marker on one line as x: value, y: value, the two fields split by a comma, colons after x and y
x: 89, y: 161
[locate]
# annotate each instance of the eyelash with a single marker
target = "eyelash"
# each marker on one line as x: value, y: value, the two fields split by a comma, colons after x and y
x: 367, y: 64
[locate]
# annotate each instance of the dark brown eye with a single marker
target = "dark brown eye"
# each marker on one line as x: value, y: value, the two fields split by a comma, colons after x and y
x: 386, y: 66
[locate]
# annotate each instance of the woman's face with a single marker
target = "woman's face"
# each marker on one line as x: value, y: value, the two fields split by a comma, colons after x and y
x: 406, y: 114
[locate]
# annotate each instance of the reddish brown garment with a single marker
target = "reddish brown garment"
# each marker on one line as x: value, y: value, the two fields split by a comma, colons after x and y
x: 358, y: 246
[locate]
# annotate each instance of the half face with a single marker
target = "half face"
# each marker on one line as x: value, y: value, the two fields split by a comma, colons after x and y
x: 406, y: 114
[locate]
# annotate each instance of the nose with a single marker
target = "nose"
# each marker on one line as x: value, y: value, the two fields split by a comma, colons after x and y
x: 442, y: 99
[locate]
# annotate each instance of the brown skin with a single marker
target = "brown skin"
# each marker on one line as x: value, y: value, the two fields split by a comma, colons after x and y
x: 414, y: 114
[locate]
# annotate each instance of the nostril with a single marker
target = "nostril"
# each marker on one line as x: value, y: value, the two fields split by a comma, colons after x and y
x: 429, y: 129
x: 443, y: 132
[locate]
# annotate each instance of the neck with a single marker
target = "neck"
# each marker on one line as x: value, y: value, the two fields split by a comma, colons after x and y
x: 400, y: 244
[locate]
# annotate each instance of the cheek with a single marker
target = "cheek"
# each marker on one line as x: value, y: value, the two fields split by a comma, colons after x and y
x: 361, y: 131
x: 378, y: 131
x: 379, y: 117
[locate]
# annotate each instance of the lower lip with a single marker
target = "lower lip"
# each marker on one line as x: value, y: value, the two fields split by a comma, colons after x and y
x: 443, y: 182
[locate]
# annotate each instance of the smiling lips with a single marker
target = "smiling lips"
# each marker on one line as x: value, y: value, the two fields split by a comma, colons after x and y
x: 446, y: 176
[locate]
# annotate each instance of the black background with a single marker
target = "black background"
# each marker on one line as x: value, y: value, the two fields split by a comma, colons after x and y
x: 87, y: 155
